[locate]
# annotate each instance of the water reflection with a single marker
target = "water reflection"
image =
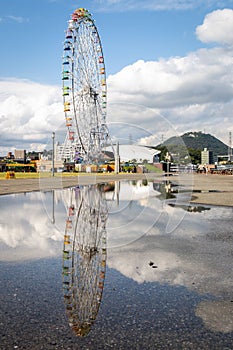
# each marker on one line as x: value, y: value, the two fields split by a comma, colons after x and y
x: 27, y: 230
x: 84, y: 255
x: 191, y: 208
x: 156, y: 279
x: 166, y: 189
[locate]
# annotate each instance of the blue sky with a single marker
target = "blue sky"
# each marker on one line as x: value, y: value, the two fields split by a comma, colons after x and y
x: 32, y: 33
x: 137, y: 36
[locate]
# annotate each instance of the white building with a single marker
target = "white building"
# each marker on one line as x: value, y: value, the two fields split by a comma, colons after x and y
x: 127, y: 153
x: 207, y: 157
x: 138, y: 153
x: 66, y: 151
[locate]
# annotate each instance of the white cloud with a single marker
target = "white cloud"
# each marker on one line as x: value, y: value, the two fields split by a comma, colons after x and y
x: 29, y: 112
x: 217, y: 27
x: 194, y: 92
x: 200, y: 77
x: 11, y: 18
x: 18, y: 19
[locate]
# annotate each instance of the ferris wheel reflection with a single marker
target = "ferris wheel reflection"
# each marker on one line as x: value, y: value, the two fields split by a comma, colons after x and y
x: 84, y: 256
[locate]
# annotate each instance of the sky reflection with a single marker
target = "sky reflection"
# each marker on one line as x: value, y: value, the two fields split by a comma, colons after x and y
x: 33, y: 225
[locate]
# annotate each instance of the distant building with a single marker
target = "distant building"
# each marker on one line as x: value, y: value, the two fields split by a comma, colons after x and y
x: 207, y: 157
x: 10, y: 155
x: 68, y: 151
x: 64, y: 151
x: 46, y: 165
x: 2, y: 165
x: 20, y: 155
x: 33, y: 155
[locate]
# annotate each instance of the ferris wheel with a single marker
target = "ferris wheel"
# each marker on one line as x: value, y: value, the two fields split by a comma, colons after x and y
x: 84, y: 88
x: 84, y: 256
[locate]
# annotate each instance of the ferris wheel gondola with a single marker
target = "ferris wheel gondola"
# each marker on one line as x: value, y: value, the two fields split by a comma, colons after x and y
x: 84, y: 88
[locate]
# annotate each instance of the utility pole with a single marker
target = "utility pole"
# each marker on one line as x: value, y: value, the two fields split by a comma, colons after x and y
x: 230, y: 148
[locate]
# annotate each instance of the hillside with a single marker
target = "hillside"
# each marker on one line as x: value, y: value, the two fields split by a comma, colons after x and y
x: 197, y: 141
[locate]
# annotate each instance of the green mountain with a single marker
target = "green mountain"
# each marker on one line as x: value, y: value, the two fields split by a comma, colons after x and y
x: 199, y: 141
x: 191, y: 144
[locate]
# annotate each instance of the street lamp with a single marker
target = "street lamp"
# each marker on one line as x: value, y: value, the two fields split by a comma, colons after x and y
x: 53, y: 137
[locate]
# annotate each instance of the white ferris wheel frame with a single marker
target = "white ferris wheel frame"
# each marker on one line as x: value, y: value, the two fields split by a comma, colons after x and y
x: 84, y: 88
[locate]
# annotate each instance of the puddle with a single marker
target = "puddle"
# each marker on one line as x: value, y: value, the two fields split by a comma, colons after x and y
x: 97, y: 262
